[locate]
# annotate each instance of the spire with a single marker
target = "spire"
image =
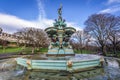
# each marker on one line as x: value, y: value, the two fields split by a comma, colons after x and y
x: 60, y: 13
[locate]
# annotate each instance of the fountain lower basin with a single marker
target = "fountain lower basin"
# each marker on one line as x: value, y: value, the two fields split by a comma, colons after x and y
x: 12, y: 71
x: 68, y: 63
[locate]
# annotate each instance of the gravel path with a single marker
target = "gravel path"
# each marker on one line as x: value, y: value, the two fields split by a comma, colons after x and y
x: 6, y: 55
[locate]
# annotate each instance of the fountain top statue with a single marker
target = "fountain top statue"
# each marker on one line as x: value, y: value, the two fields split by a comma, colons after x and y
x: 60, y: 10
x: 60, y: 13
x: 60, y: 35
x: 60, y: 22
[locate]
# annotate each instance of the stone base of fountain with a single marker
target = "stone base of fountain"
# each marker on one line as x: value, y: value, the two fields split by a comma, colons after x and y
x: 60, y: 52
x: 9, y: 70
x: 67, y: 63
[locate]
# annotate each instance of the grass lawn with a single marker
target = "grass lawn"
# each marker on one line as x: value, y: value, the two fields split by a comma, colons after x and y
x: 43, y: 50
x: 28, y: 50
x: 111, y: 54
x: 83, y: 51
x: 10, y: 50
x: 25, y: 50
x: 15, y: 50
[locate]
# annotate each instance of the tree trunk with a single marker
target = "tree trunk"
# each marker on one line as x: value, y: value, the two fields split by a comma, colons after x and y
x: 4, y: 49
x: 114, y: 48
x: 33, y: 50
x: 103, y: 48
x: 81, y: 50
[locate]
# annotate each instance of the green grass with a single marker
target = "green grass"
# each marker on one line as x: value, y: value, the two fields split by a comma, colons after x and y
x: 118, y: 55
x: 0, y: 47
x: 43, y: 50
x: 83, y: 51
x: 24, y: 50
x: 28, y: 50
x: 111, y: 54
x: 10, y: 50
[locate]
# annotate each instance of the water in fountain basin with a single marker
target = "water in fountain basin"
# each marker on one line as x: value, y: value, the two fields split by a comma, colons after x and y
x: 109, y: 72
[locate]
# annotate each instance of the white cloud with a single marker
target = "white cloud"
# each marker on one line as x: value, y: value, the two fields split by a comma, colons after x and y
x: 113, y: 1
x: 111, y: 9
x: 13, y: 21
x: 10, y: 23
x: 75, y: 25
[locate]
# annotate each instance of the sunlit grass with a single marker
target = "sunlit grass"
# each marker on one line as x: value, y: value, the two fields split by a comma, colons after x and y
x: 83, y: 51
x: 43, y: 50
x: 28, y: 50
x: 10, y: 50
x: 23, y: 50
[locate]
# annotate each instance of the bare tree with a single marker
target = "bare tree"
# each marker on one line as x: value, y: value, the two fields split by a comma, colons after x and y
x: 96, y: 26
x: 4, y: 44
x: 80, y: 40
x: 33, y: 37
x: 24, y: 35
x: 114, y: 31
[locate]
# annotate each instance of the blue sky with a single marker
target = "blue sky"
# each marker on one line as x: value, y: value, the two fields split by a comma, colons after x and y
x: 16, y: 14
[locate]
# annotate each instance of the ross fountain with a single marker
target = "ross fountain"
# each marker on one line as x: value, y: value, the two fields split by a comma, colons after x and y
x: 60, y: 56
x: 60, y: 63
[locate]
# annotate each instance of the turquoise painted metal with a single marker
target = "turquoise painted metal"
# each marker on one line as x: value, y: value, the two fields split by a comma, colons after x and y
x: 70, y: 64
x: 60, y: 46
x: 60, y: 35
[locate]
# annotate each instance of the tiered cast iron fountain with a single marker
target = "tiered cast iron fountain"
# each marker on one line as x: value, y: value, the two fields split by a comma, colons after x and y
x: 60, y: 35
x: 60, y: 54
